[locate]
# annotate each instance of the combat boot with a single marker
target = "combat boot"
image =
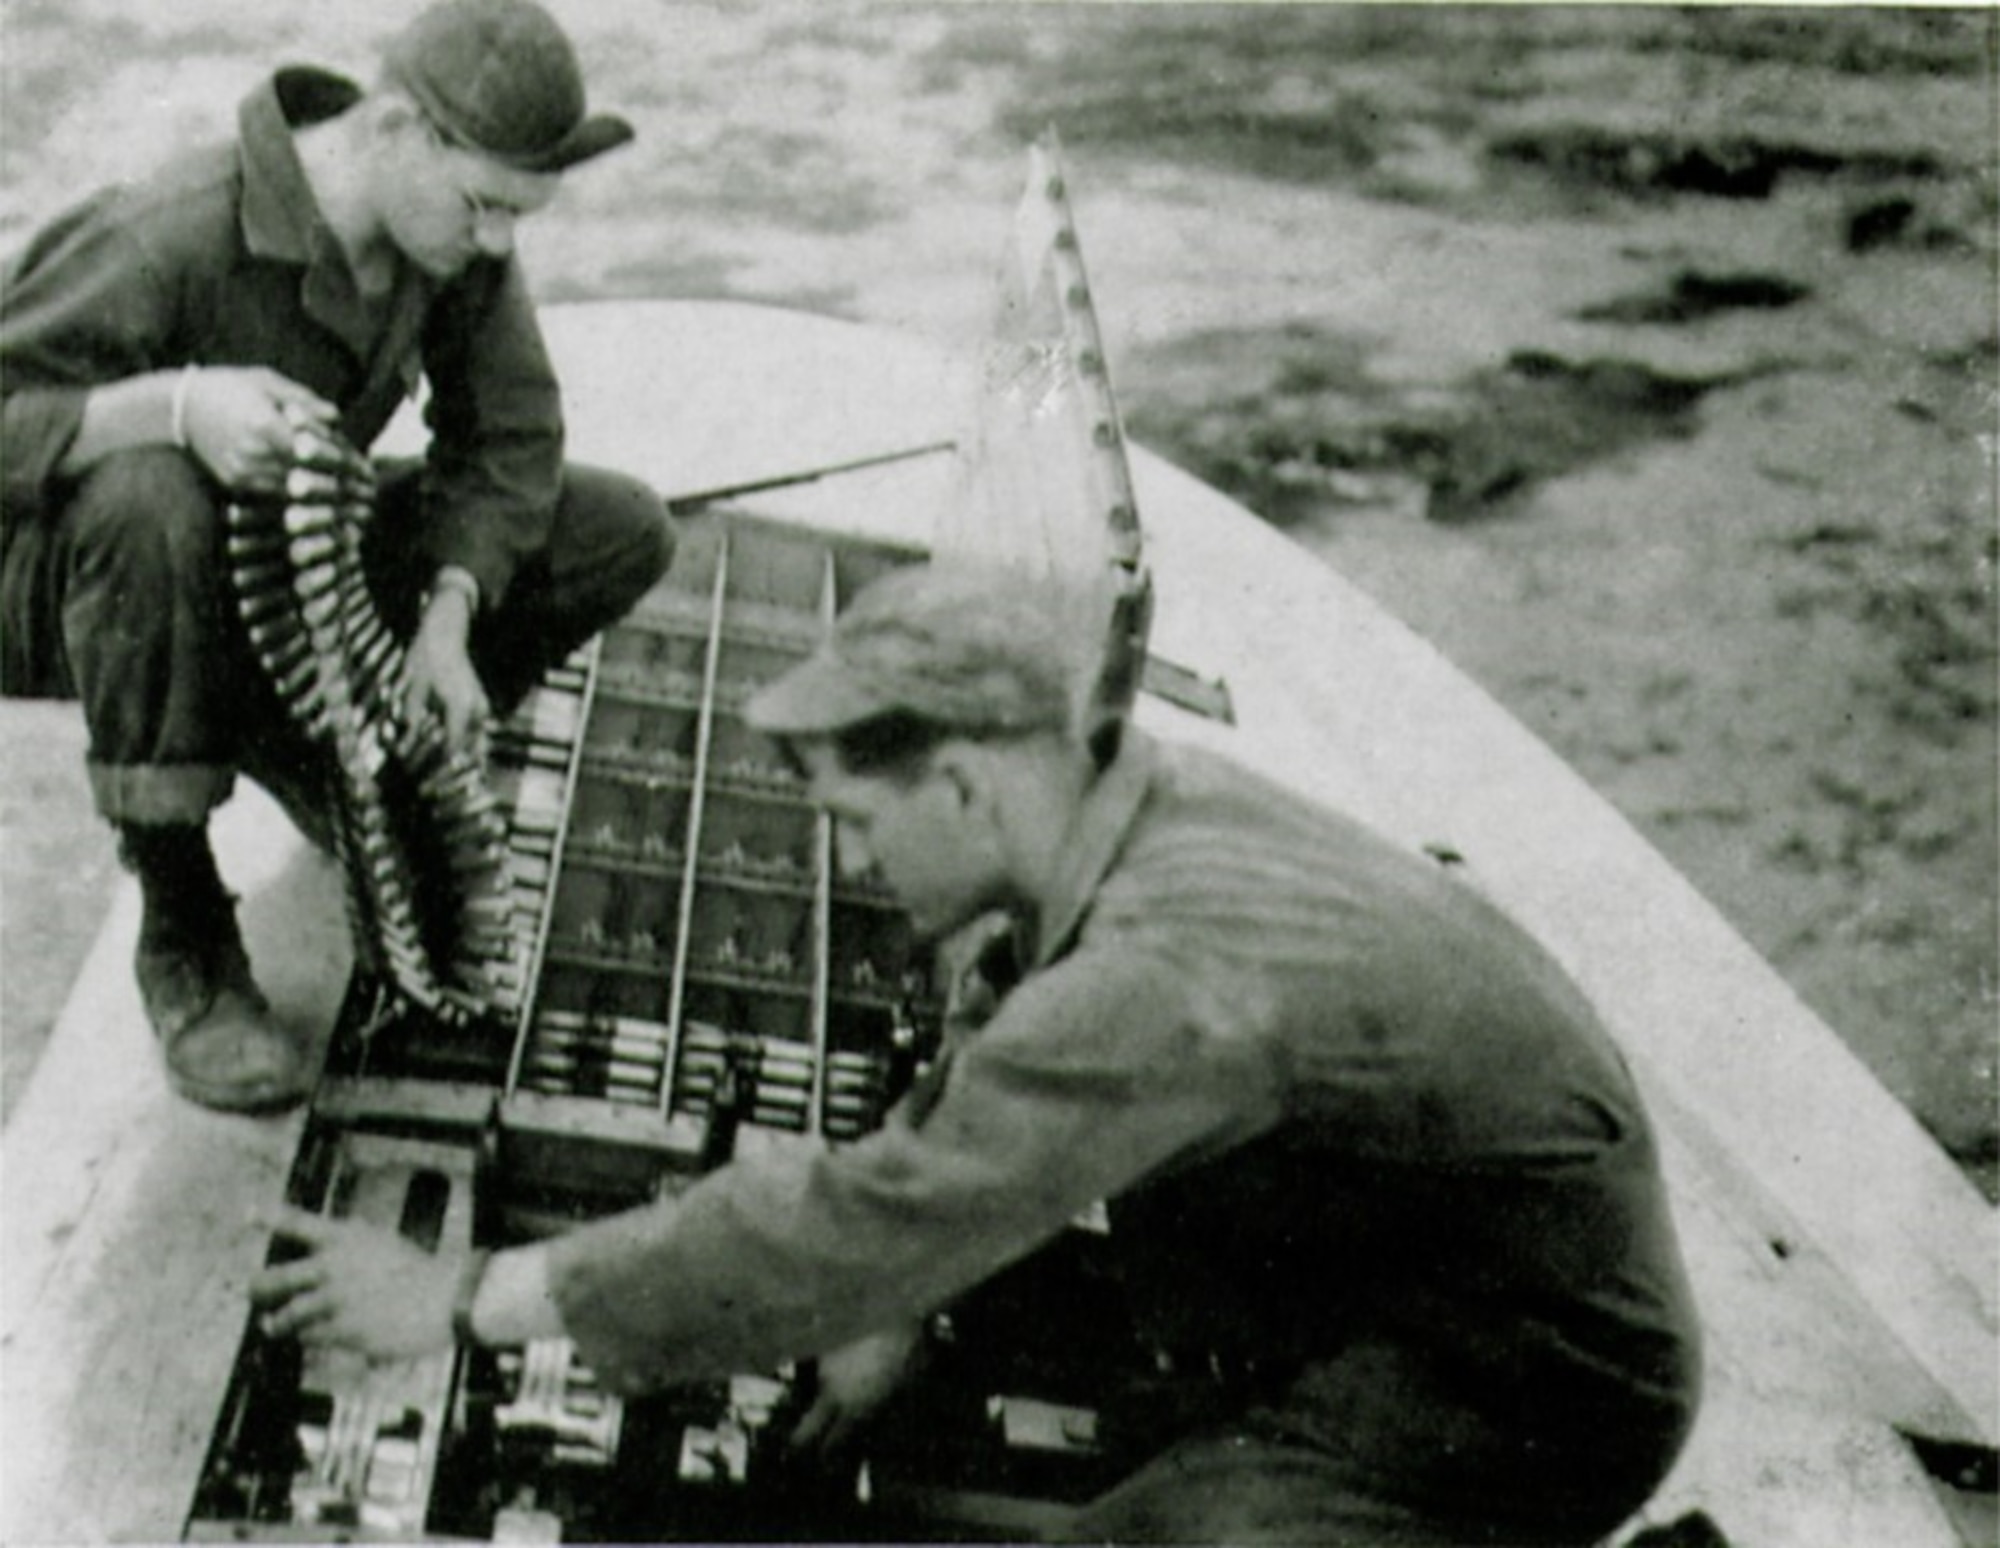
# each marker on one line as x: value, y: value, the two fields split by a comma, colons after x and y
x: 223, y: 1049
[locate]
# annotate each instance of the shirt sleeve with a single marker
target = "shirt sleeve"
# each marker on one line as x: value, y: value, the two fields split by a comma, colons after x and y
x: 82, y: 306
x: 1093, y: 1075
x: 496, y: 425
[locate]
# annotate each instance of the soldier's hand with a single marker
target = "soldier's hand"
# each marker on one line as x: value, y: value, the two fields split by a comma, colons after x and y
x: 358, y: 1287
x: 854, y: 1381
x: 240, y: 421
x: 443, y: 684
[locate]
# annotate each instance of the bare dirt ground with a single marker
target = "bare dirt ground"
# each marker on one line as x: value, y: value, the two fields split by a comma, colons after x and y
x: 1644, y: 359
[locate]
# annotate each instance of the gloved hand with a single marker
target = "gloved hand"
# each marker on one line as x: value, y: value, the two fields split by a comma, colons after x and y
x: 854, y: 1381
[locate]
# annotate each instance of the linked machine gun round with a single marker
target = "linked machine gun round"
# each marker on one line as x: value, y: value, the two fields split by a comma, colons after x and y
x: 419, y: 835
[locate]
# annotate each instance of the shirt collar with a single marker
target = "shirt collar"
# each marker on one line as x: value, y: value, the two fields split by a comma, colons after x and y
x: 1097, y: 835
x: 280, y: 218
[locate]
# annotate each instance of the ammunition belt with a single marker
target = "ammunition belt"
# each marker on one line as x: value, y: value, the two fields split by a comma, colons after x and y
x: 421, y: 841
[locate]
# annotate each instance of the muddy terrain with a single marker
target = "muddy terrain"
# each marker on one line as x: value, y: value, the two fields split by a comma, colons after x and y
x: 1644, y: 359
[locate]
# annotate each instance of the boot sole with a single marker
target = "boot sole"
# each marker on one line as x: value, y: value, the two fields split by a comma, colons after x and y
x: 242, y: 1102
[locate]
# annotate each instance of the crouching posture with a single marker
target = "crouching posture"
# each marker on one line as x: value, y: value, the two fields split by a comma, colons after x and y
x: 1372, y: 1165
x: 163, y: 343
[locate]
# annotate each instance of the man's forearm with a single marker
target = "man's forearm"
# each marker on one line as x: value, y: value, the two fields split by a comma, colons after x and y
x: 137, y: 411
x: 451, y: 602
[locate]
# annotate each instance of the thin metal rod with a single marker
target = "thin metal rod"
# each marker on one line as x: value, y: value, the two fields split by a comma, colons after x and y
x: 687, y: 504
x: 822, y: 967
x: 704, y: 736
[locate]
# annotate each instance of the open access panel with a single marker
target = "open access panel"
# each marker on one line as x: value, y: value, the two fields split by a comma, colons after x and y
x: 695, y: 981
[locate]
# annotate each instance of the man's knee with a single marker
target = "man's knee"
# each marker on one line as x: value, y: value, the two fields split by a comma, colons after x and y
x: 623, y: 520
x: 148, y: 511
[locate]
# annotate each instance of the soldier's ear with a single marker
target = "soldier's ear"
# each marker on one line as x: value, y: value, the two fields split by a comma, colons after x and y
x: 956, y: 764
x: 977, y: 774
x: 396, y: 117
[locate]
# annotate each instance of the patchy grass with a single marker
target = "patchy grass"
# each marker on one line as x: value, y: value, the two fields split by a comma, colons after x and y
x: 1653, y: 163
x: 1480, y: 452
x: 1870, y: 41
x: 1694, y: 296
x: 1301, y: 96
x: 1926, y: 590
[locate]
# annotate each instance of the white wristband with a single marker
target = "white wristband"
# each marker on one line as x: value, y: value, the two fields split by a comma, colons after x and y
x: 181, y: 386
x: 452, y: 577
